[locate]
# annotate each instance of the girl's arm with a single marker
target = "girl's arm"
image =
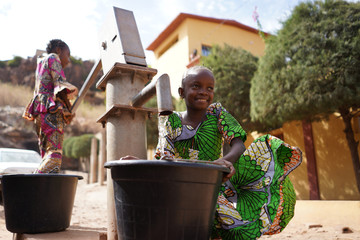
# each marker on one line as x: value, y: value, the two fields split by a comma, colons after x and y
x: 237, y: 148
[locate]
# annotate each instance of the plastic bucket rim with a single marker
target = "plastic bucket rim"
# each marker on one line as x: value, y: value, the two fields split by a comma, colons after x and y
x: 40, y: 175
x: 119, y: 163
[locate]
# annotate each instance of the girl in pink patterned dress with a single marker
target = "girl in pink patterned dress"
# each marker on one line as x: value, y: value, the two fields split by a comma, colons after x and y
x: 50, y: 108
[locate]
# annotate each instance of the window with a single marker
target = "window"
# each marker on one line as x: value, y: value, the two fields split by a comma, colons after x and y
x: 205, y: 50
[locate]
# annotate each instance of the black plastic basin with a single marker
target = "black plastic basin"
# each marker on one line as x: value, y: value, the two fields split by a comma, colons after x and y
x: 37, y: 203
x: 157, y: 199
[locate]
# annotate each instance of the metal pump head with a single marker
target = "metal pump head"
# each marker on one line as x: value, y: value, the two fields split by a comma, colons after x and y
x: 120, y: 40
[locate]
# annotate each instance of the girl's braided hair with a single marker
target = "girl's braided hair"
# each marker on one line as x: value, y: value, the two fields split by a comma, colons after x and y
x: 55, y: 43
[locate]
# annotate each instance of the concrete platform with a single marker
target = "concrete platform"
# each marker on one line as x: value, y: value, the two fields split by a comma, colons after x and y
x: 330, y: 215
x: 68, y: 234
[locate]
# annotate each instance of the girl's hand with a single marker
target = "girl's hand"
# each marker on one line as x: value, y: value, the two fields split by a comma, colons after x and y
x: 72, y: 94
x: 68, y: 116
x: 226, y: 164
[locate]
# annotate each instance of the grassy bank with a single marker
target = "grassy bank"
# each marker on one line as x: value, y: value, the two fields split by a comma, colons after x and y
x: 14, y: 95
x: 19, y: 96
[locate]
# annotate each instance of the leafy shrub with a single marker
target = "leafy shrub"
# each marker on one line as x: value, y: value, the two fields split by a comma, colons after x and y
x: 67, y: 146
x: 76, y: 61
x: 2, y: 64
x: 15, y: 62
x: 76, y: 147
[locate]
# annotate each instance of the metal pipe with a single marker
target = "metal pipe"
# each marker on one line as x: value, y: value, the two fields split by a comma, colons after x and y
x: 102, y: 158
x: 93, y: 160
x: 87, y: 84
x: 160, y: 87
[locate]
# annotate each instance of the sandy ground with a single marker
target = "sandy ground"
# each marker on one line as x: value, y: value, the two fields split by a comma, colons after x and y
x: 89, y: 213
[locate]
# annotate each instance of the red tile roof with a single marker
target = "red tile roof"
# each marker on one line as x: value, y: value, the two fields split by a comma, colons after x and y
x: 182, y: 16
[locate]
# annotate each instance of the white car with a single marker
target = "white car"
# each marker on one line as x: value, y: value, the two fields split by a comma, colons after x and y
x: 17, y: 161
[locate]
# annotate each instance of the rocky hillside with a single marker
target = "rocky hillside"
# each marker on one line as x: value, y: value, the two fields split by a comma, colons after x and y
x: 23, y: 71
x: 16, y: 132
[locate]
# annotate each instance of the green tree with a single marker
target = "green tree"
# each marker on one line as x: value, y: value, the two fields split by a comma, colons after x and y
x: 180, y: 105
x: 233, y: 69
x: 152, y: 131
x: 15, y: 62
x: 311, y: 69
x: 2, y: 64
x: 76, y: 61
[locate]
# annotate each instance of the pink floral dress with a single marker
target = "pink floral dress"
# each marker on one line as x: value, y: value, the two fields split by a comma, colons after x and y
x: 48, y: 112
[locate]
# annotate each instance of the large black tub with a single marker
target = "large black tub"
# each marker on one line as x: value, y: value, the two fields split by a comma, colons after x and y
x: 37, y: 203
x: 157, y: 199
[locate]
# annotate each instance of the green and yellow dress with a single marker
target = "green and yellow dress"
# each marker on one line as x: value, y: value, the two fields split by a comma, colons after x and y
x: 259, y: 199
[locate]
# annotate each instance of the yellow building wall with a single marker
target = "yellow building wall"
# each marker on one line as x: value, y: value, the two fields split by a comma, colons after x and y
x: 334, y: 164
x: 207, y: 33
x: 336, y: 177
x: 174, y: 67
x: 293, y: 135
x: 174, y: 60
x: 191, y: 34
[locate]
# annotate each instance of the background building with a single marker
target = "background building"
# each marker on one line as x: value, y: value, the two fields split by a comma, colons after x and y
x: 188, y: 37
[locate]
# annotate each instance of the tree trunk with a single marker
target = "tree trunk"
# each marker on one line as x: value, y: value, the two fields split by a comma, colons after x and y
x: 353, y: 145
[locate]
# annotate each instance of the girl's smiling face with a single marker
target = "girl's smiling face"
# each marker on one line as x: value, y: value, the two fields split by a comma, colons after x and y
x: 198, y: 89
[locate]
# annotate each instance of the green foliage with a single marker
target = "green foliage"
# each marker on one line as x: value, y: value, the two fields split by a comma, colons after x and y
x: 2, y: 64
x: 233, y: 69
x: 82, y: 147
x: 180, y: 105
x: 152, y: 131
x: 76, y: 147
x: 312, y: 66
x: 67, y: 146
x: 15, y: 62
x: 76, y: 61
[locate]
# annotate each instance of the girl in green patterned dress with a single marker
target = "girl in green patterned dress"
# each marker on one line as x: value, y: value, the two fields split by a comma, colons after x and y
x: 257, y: 197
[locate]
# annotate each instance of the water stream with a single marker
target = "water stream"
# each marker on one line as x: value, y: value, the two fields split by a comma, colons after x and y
x: 162, y: 132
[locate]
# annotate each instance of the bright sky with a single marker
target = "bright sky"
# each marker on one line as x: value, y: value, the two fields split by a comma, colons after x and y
x: 27, y: 25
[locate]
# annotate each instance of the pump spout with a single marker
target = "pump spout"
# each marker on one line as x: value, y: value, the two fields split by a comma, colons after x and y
x: 160, y: 87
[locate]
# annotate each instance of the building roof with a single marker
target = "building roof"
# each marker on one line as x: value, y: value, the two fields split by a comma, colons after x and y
x: 182, y: 16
